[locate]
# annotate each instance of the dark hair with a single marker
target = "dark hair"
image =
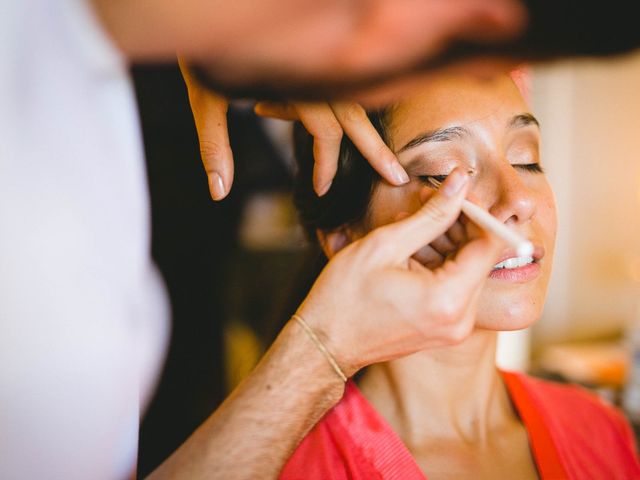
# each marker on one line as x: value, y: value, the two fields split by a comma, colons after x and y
x: 346, y: 203
x: 347, y: 200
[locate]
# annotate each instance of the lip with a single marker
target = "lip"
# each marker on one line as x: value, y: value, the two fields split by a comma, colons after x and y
x: 522, y: 274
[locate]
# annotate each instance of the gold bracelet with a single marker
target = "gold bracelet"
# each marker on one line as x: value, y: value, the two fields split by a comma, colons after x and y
x: 320, y: 346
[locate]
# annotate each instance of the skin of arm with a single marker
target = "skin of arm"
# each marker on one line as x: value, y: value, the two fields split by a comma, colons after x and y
x: 256, y: 429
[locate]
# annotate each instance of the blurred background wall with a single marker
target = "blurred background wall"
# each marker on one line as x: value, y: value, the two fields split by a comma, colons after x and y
x: 590, y: 117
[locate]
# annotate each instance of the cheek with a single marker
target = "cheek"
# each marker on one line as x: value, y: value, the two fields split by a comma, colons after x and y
x: 551, y: 218
x: 546, y: 226
x: 546, y: 211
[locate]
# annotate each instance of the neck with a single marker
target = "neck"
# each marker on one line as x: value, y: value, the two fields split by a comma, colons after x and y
x: 451, y: 392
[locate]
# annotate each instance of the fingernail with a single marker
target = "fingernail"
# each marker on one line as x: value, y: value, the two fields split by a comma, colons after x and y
x: 398, y: 173
x: 260, y: 107
x: 216, y: 186
x: 454, y: 183
x: 324, y: 189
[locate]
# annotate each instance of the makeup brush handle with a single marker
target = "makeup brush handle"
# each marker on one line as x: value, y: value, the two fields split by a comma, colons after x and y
x: 485, y: 220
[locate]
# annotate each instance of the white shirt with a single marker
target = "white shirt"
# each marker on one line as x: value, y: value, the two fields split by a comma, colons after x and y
x: 83, y: 315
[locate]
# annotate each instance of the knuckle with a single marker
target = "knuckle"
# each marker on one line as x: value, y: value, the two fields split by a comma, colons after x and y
x: 330, y: 132
x: 350, y: 256
x: 382, y: 151
x: 459, y: 333
x: 212, y: 152
x: 378, y: 241
x: 378, y: 155
x: 449, y: 311
x: 436, y: 212
x: 351, y: 112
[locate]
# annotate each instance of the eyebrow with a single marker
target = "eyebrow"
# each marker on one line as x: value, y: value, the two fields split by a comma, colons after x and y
x: 440, y: 135
x: 449, y: 133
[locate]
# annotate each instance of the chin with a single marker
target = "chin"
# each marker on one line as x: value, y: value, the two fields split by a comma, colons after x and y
x: 508, y: 316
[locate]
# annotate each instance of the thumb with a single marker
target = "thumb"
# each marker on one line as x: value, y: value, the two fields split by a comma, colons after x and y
x: 431, y: 220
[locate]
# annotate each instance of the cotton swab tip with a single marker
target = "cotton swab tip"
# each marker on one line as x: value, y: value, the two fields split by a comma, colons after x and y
x: 525, y: 249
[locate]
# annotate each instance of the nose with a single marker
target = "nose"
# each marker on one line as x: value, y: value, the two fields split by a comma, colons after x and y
x: 512, y: 201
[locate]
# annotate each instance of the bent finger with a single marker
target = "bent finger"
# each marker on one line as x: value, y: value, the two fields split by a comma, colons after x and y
x: 356, y: 124
x: 457, y: 234
x: 279, y: 110
x: 429, y: 257
x: 443, y: 245
x: 210, y: 116
x: 321, y: 122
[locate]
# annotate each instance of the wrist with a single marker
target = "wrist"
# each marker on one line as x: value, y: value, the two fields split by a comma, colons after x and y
x: 320, y: 346
x: 335, y: 340
x: 307, y: 368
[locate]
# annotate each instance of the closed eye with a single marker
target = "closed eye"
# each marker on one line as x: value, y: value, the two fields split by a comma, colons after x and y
x: 530, y: 167
x: 439, y: 178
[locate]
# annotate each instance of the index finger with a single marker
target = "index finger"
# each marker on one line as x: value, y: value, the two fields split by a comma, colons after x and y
x: 355, y: 123
x: 210, y: 117
x: 320, y: 122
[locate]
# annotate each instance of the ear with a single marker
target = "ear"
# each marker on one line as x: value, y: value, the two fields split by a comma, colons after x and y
x: 334, y: 241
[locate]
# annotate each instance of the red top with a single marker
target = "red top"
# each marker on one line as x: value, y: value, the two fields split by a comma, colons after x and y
x: 573, y: 434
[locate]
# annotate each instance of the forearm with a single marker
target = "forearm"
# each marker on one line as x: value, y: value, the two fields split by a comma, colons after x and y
x: 257, y: 428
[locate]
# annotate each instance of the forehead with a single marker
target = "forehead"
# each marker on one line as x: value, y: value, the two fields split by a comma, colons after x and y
x: 455, y: 101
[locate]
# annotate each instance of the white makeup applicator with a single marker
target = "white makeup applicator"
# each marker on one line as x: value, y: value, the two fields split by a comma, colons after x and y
x: 524, y: 248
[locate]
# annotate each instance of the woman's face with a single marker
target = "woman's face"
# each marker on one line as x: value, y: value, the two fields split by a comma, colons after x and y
x: 485, y: 127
